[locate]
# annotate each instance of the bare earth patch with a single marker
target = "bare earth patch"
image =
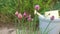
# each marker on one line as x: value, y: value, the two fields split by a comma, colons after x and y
x: 13, y: 31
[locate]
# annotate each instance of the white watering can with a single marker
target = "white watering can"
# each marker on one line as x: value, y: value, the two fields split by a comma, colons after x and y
x: 54, y: 27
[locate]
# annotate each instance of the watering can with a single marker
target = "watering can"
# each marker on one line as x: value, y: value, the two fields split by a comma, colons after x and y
x: 53, y: 28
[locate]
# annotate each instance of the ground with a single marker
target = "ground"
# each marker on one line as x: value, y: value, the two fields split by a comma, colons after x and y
x: 10, y: 29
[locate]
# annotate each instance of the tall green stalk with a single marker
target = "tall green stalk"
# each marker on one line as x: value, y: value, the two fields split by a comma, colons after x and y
x: 47, y: 26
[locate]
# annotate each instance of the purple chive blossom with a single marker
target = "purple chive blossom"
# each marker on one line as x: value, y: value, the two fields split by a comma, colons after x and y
x: 20, y: 16
x: 29, y: 19
x: 37, y: 7
x: 24, y: 14
x: 52, y: 18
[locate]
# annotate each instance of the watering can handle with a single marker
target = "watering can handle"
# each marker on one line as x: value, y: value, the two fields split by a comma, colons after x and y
x: 35, y: 12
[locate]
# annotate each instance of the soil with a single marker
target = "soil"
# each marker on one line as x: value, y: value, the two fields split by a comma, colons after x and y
x: 10, y: 29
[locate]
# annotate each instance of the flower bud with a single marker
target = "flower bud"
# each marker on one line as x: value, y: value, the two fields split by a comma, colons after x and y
x: 16, y: 13
x: 52, y: 18
x: 24, y: 14
x: 20, y: 16
x: 37, y: 7
x: 29, y: 19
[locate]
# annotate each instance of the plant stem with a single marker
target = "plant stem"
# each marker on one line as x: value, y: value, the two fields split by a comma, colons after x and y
x: 47, y: 27
x: 18, y: 26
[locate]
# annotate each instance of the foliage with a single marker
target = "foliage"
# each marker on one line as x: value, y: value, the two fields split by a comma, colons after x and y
x: 24, y: 5
x: 9, y: 7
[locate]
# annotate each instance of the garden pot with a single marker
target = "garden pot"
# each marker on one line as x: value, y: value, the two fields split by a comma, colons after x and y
x: 53, y: 28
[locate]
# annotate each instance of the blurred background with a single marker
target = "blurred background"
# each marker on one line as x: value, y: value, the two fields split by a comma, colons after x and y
x: 9, y: 7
